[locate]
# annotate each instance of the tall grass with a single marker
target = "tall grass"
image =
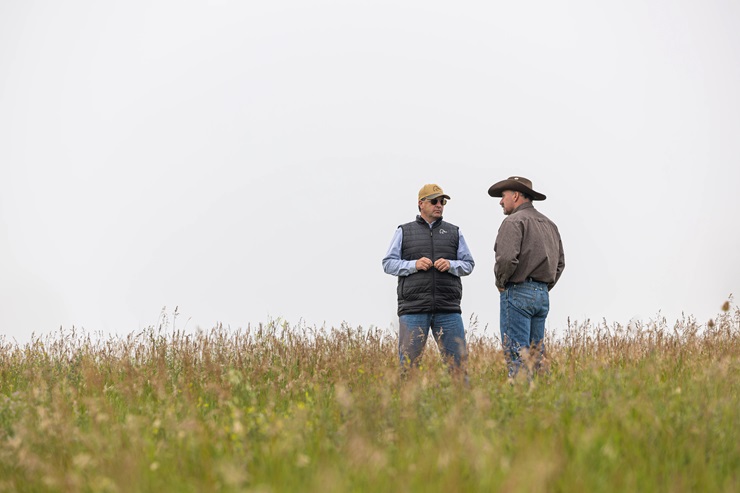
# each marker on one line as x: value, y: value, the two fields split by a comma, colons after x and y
x: 643, y: 407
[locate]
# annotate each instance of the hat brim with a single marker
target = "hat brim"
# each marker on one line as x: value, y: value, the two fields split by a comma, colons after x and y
x: 497, y: 188
x: 436, y: 195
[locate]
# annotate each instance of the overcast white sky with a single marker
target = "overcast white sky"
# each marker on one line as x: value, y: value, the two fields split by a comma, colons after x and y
x: 250, y: 160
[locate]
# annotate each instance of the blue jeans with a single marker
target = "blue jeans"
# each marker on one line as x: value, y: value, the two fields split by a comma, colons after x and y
x: 524, y: 308
x: 448, y: 331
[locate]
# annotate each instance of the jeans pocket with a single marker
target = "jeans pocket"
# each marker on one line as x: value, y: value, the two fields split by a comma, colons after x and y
x: 522, y: 299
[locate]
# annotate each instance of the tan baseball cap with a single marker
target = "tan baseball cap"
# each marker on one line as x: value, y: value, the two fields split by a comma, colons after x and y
x: 432, y: 191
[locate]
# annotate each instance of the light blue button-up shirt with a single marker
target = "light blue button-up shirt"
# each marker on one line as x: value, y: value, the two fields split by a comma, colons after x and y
x: 394, y: 265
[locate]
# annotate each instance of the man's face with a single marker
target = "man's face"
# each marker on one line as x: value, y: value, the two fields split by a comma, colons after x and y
x: 430, y: 210
x: 508, y: 201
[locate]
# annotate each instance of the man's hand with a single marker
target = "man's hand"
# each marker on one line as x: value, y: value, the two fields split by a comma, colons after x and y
x: 442, y: 265
x: 423, y: 264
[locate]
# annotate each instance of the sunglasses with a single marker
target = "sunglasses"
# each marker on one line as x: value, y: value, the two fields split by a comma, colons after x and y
x: 434, y: 201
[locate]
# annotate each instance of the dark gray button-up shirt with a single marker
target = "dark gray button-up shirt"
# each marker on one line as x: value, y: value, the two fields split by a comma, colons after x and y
x: 528, y: 245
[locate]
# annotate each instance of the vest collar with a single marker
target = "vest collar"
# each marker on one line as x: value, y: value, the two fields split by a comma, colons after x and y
x: 435, y: 224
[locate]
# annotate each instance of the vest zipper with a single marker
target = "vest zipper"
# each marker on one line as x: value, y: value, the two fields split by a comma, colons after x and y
x: 434, y: 274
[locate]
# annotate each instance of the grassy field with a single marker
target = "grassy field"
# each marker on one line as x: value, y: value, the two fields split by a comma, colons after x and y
x: 652, y: 407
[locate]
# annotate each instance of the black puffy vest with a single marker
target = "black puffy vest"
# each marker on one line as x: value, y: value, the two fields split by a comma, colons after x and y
x: 430, y: 290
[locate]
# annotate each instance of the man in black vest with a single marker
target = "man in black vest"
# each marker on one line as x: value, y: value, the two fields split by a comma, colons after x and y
x: 429, y: 256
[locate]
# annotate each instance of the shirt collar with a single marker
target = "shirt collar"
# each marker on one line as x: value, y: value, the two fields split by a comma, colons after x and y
x: 525, y: 205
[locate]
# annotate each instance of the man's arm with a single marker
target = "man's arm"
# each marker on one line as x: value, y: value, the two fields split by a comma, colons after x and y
x: 561, y: 264
x: 507, y: 247
x: 464, y: 264
x: 393, y: 264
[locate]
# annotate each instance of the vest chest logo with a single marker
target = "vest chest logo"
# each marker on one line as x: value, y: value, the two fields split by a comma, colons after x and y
x: 442, y: 231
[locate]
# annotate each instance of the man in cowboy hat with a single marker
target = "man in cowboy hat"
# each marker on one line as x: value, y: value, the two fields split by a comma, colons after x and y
x: 529, y: 262
x: 429, y: 256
